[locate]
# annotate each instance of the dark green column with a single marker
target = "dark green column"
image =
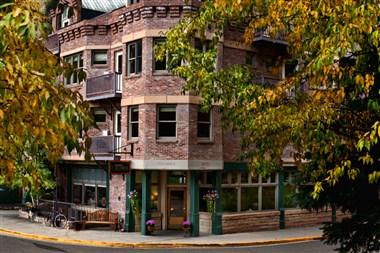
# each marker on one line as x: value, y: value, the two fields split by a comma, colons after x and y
x: 194, y: 202
x: 217, y: 216
x: 129, y: 225
x: 145, y: 200
x: 108, y: 178
x: 281, y: 196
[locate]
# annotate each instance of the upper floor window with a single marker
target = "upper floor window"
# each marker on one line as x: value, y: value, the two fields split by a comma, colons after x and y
x: 65, y: 17
x: 166, y: 121
x: 76, y: 61
x: 202, y: 45
x: 133, y: 128
x: 132, y: 2
x: 159, y: 65
x: 204, y: 125
x: 99, y: 57
x: 251, y: 59
x: 134, y: 57
x: 100, y: 115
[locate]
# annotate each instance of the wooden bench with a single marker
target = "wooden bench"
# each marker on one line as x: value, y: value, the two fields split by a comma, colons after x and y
x: 101, y: 217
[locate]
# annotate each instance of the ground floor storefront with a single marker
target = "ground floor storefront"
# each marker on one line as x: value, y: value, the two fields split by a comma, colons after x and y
x: 170, y: 197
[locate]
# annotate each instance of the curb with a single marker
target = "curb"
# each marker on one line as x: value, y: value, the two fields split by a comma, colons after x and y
x: 152, y: 245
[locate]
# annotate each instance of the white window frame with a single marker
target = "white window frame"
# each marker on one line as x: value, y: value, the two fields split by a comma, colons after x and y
x: 65, y: 19
x: 209, y: 138
x: 130, y: 122
x: 119, y: 71
x: 70, y: 59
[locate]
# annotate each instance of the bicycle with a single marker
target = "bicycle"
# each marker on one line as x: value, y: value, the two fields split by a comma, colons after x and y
x: 57, y: 219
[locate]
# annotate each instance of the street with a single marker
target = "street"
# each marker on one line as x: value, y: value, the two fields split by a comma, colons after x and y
x: 16, y: 245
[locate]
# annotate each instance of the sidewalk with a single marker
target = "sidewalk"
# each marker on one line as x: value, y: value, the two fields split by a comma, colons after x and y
x: 11, y: 224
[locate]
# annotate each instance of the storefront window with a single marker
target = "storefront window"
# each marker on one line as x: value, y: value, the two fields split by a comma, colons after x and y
x: 176, y: 177
x: 102, y: 197
x: 268, y: 197
x: 249, y: 199
x: 229, y: 199
x: 244, y: 178
x: 89, y: 195
x: 77, y: 194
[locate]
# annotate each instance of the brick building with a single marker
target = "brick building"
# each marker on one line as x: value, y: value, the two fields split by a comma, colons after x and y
x: 154, y: 139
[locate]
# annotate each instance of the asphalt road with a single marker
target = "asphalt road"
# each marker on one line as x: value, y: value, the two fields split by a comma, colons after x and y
x: 16, y: 245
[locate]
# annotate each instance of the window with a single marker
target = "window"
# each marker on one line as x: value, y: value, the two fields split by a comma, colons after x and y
x: 159, y: 65
x: 101, y: 197
x: 241, y: 192
x: 76, y: 61
x: 204, y: 125
x: 77, y: 193
x: 89, y: 195
x: 250, y: 59
x: 99, y: 57
x: 65, y: 17
x: 167, y: 125
x: 133, y: 122
x: 99, y: 115
x: 132, y: 2
x: 202, y: 46
x: 134, y: 57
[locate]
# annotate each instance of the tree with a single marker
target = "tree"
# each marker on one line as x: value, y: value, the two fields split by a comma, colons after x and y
x: 332, y: 117
x: 39, y: 117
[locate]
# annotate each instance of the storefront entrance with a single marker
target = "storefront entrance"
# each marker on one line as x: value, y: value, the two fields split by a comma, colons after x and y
x: 176, y: 207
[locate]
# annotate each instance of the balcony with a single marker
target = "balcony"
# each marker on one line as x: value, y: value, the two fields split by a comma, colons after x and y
x: 53, y: 43
x: 104, y: 87
x: 264, y: 37
x: 104, y: 147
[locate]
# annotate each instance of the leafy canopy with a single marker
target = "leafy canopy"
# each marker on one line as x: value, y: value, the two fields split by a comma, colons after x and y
x: 331, y: 119
x: 38, y: 116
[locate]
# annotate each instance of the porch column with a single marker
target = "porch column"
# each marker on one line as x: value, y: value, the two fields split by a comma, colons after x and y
x: 281, y: 193
x: 194, y: 202
x: 129, y: 224
x: 145, y: 200
x: 217, y: 217
x: 108, y: 178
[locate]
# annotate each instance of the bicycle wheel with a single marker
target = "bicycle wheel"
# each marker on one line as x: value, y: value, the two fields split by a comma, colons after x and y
x: 60, y: 221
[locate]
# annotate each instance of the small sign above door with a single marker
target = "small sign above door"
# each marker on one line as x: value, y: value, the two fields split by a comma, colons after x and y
x: 120, y: 167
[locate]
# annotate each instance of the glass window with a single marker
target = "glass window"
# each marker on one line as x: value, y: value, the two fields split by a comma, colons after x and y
x: 99, y: 57
x: 102, y: 196
x: 76, y: 62
x: 133, y: 122
x: 289, y: 198
x: 244, y: 177
x: 154, y: 196
x: 77, y: 194
x: 89, y: 195
x: 159, y: 65
x: 202, y: 203
x: 132, y: 2
x: 204, y: 125
x: 176, y: 177
x: 234, y: 177
x: 268, y: 197
x: 65, y: 17
x: 225, y: 178
x: 229, y: 199
x: 167, y: 121
x: 249, y: 199
x: 99, y: 115
x: 134, y: 57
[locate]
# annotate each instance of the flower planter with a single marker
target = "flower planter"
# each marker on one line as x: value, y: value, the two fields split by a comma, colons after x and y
x: 187, y: 231
x: 150, y: 229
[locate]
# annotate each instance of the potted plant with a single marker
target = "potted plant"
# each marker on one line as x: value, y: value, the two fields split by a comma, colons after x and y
x: 186, y: 226
x: 211, y: 197
x: 150, y: 225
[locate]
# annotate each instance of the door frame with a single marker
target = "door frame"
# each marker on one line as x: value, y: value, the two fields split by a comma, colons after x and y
x: 171, y: 188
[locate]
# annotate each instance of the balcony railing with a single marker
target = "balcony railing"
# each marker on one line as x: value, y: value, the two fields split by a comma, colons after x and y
x: 105, y: 86
x: 264, y: 36
x: 103, y: 147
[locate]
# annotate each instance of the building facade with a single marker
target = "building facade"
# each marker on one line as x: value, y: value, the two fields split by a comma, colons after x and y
x: 154, y: 139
